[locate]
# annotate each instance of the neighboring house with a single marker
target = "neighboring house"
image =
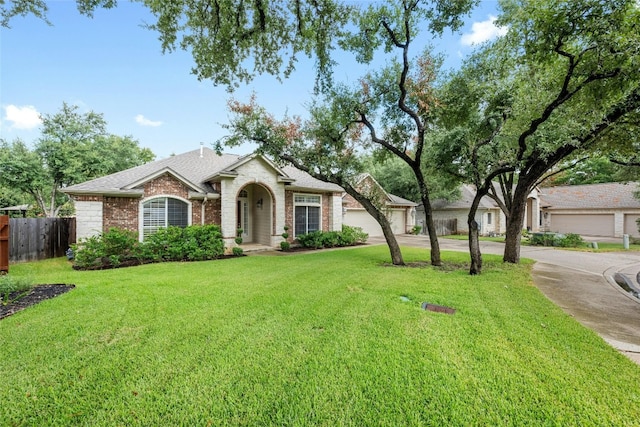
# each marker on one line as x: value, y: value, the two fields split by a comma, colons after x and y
x: 489, y: 216
x: 400, y: 212
x: 250, y: 192
x: 608, y: 209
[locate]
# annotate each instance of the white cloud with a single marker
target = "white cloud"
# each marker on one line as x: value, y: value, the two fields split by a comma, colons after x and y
x: 26, y: 117
x: 483, y: 31
x: 143, y: 121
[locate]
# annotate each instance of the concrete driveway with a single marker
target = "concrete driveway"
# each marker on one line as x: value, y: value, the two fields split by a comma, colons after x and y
x: 581, y: 283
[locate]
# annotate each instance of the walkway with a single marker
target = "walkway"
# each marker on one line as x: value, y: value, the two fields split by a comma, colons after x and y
x: 581, y: 283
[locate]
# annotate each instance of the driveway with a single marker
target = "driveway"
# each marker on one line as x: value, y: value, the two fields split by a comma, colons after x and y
x: 581, y: 283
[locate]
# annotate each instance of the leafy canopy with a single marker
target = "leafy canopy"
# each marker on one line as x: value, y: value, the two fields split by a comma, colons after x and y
x: 73, y: 148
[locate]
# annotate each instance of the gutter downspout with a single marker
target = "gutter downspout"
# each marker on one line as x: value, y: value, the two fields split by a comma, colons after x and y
x: 202, y: 210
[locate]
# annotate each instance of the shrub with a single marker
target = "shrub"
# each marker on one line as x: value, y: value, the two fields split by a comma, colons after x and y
x: 349, y: 236
x: 192, y: 243
x: 111, y: 249
x: 416, y: 230
x: 552, y: 239
x: 311, y: 240
x: 542, y: 239
x: 237, y: 251
x: 330, y: 239
x: 352, y: 236
x: 570, y: 241
x: 238, y: 238
x: 19, y: 286
x: 285, y: 246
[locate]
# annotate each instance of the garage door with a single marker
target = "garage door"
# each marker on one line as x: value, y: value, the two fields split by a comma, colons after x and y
x: 362, y: 219
x: 590, y: 225
x: 630, y: 225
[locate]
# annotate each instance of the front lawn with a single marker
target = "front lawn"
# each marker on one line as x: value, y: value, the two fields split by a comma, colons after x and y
x: 309, y: 339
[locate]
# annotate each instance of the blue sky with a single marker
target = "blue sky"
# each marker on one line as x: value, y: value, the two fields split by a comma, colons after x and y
x: 113, y: 66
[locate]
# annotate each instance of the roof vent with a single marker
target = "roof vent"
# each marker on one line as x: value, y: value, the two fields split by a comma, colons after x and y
x: 201, y: 150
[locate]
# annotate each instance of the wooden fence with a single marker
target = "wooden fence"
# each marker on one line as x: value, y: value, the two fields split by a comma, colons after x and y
x: 40, y: 238
x: 4, y: 244
x: 444, y: 227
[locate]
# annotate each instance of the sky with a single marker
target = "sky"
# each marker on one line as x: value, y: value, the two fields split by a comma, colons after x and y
x: 111, y: 65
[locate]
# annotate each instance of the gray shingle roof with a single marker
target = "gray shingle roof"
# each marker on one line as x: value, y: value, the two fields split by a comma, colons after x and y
x: 612, y: 195
x: 467, y: 193
x: 191, y: 167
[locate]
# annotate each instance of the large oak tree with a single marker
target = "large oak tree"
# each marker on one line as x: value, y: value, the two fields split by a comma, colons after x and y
x: 73, y: 148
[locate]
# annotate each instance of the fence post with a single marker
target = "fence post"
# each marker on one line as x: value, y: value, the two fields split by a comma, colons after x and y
x: 4, y: 243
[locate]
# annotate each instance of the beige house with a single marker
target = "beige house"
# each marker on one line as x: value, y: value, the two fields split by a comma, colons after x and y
x: 250, y: 193
x: 400, y: 212
x: 608, y: 209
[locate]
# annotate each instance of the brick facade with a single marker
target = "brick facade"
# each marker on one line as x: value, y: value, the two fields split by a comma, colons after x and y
x: 268, y: 201
x: 120, y: 212
x: 124, y: 213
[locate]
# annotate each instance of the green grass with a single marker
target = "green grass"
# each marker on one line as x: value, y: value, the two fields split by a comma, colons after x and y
x: 606, y: 247
x: 308, y: 339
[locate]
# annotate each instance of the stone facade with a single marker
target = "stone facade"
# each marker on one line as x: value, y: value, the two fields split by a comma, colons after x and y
x: 91, y: 213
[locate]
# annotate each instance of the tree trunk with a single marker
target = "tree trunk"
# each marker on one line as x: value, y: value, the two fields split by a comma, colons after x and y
x: 515, y: 221
x: 431, y: 229
x: 474, y: 247
x: 392, y: 243
x: 474, y: 233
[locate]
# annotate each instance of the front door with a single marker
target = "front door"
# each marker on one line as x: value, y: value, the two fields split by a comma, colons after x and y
x: 242, y: 215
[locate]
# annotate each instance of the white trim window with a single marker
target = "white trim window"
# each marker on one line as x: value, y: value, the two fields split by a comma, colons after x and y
x: 161, y: 212
x: 307, y: 213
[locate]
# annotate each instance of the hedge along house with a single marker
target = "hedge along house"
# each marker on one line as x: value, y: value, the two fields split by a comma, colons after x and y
x: 250, y: 193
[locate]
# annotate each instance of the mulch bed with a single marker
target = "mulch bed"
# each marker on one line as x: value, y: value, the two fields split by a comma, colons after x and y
x: 38, y: 293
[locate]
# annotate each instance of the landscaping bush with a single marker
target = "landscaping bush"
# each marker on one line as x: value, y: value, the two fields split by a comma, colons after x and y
x: 349, y: 236
x: 193, y: 243
x: 110, y: 248
x: 570, y: 241
x: 352, y: 236
x: 311, y: 240
x: 552, y: 239
x: 542, y: 239
x: 117, y: 246
x: 285, y: 246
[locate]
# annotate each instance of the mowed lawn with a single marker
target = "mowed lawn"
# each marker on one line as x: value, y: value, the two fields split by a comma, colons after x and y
x: 306, y: 339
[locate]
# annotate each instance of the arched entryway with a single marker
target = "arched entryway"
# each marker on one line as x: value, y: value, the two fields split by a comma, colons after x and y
x: 254, y: 214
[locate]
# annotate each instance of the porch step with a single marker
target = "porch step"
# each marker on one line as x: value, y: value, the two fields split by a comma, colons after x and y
x: 255, y: 247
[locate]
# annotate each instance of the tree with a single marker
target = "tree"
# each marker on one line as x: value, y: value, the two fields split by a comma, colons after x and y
x: 569, y: 75
x: 398, y: 178
x: 232, y: 41
x: 73, y: 148
x: 590, y: 170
